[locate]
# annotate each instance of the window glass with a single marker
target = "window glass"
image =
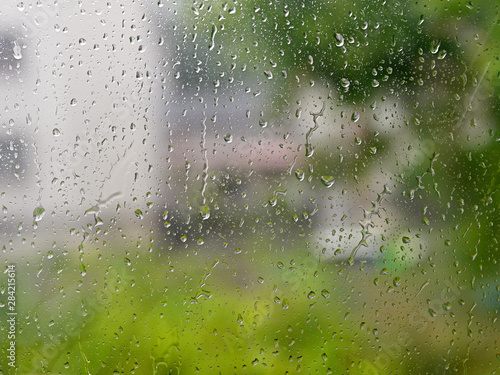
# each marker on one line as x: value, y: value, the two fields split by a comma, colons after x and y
x: 250, y: 187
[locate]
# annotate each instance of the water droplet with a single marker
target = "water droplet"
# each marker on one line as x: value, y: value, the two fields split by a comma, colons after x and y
x: 339, y: 40
x: 83, y: 269
x: 406, y: 239
x: 345, y: 83
x: 73, y: 102
x: 358, y: 140
x: 299, y: 173
x: 82, y: 41
x: 272, y: 201
x: 328, y: 181
x: 311, y: 295
x: 355, y: 117
x: 447, y: 306
x: 139, y: 214
x: 268, y: 74
x: 17, y: 51
x: 432, y: 313
x: 325, y: 293
x: 350, y: 260
x: 38, y: 213
x: 127, y: 261
x: 285, y: 304
x: 212, y: 38
x: 204, y: 212
x: 228, y: 138
x: 435, y: 44
x: 397, y: 281
x: 56, y: 132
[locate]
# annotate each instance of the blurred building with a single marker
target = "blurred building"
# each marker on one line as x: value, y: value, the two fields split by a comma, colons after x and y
x: 108, y: 121
x: 79, y: 93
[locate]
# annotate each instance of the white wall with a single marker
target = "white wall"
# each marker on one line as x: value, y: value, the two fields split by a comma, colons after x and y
x: 79, y: 99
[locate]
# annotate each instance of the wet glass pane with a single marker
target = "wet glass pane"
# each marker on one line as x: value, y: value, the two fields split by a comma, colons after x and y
x: 250, y: 187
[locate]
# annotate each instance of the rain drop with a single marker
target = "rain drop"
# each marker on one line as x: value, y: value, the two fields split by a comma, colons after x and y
x: 397, y: 281
x: 328, y: 181
x: 299, y: 173
x: 17, y: 51
x: 435, y: 44
x: 139, y: 214
x: 344, y: 82
x: 38, y: 213
x: 204, y: 212
x: 339, y: 40
x: 273, y: 201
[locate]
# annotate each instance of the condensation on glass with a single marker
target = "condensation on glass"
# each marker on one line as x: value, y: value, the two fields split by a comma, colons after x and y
x: 256, y: 187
